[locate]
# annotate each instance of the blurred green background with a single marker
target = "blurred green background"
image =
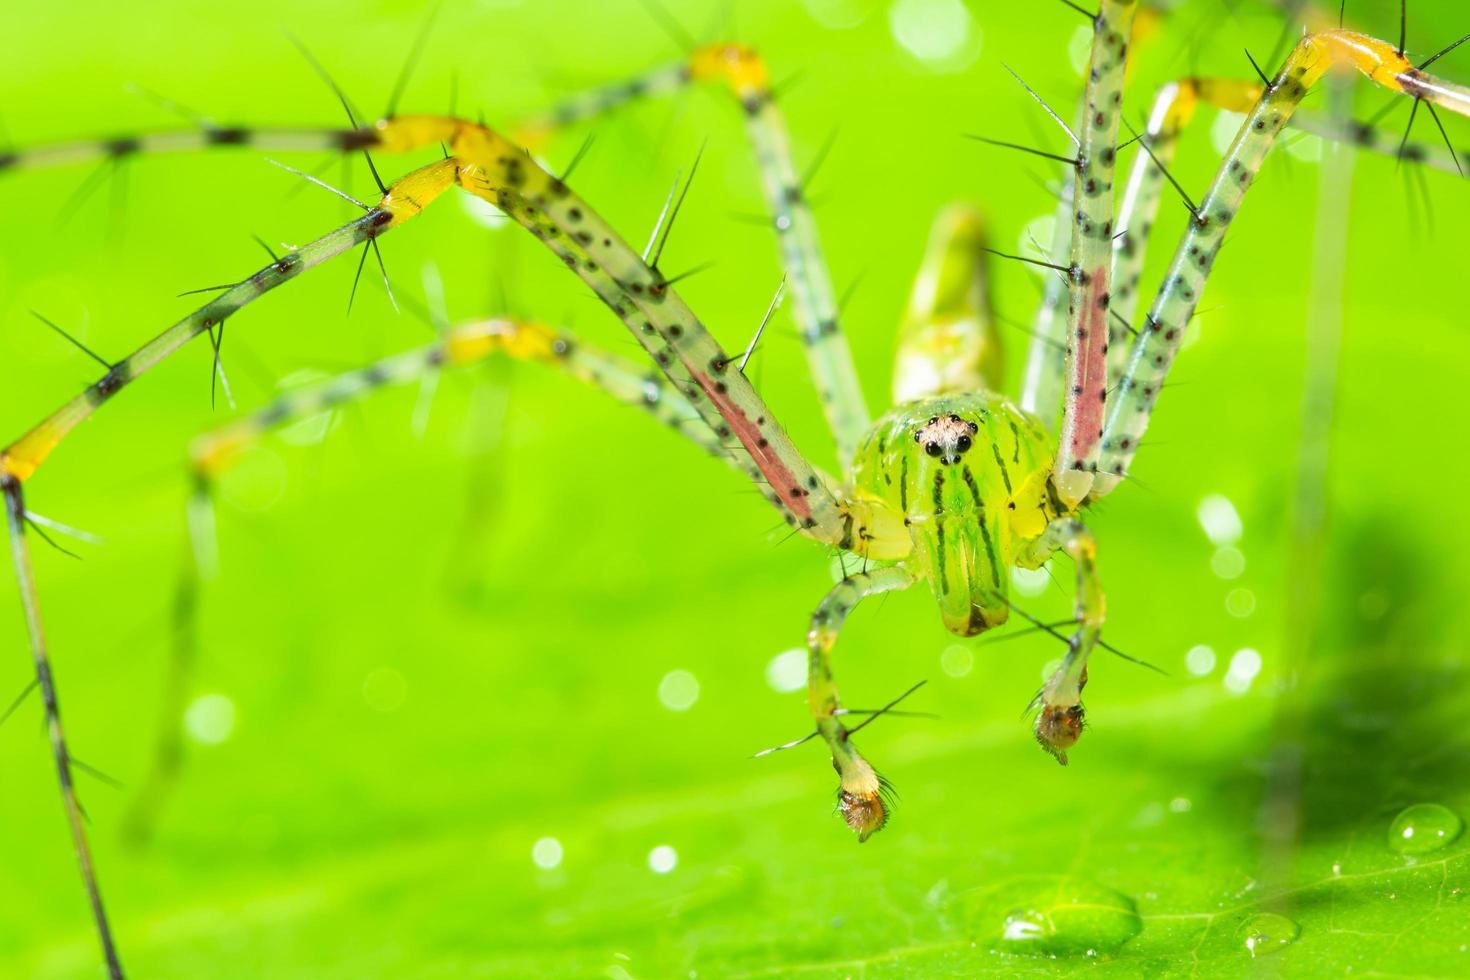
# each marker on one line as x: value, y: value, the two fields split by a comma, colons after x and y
x: 426, y: 655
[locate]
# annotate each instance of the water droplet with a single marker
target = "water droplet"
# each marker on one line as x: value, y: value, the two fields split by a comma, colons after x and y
x: 1240, y: 603
x: 1227, y: 562
x: 941, y: 34
x: 1424, y: 827
x: 1200, y: 660
x: 663, y: 859
x: 956, y: 661
x: 1052, y: 916
x: 1032, y: 581
x: 678, y: 690
x: 210, y: 719
x: 1245, y: 664
x: 546, y: 853
x: 786, y: 671
x: 1268, y: 933
x: 1219, y: 518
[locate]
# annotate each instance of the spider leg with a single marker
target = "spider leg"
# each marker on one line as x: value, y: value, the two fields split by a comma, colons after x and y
x: 1046, y: 358
x: 1089, y: 296
x: 404, y: 200
x: 646, y: 302
x: 1041, y: 379
x: 1060, y: 720
x: 1172, y: 110
x: 860, y: 791
x: 1154, y: 349
x: 15, y: 511
x: 741, y: 69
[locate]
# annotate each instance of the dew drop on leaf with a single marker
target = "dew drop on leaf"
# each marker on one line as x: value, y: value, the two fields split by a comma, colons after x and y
x: 1268, y: 933
x: 1424, y: 827
x: 1052, y: 917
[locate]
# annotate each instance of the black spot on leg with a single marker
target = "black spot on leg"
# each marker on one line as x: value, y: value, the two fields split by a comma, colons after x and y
x: 123, y: 146
x: 755, y: 102
x: 231, y: 136
x: 111, y: 383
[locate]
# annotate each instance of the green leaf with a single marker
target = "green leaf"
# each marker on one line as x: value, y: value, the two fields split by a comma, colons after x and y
x: 440, y: 652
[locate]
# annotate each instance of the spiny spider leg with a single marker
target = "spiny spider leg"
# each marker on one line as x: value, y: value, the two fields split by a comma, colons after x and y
x: 1046, y: 358
x: 1041, y: 382
x: 20, y: 459
x: 1085, y: 370
x: 1158, y: 341
x: 15, y: 512
x: 742, y: 70
x: 1436, y: 156
x: 404, y: 199
x: 860, y: 793
x: 659, y: 319
x: 1173, y: 109
x: 1060, y: 719
x: 1137, y: 211
x: 489, y: 166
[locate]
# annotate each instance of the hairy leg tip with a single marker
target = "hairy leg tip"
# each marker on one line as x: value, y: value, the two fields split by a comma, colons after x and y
x: 863, y: 812
x: 1058, y: 729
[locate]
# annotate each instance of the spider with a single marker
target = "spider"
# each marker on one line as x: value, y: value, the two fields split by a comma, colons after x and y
x: 954, y: 486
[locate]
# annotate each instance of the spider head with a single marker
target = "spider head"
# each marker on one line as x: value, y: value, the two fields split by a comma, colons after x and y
x: 946, y: 437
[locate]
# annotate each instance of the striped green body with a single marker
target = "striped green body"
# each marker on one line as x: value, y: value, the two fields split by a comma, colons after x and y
x: 969, y: 473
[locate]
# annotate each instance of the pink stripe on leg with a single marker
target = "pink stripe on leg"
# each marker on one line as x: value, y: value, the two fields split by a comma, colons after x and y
x: 1089, y: 390
x: 748, y: 431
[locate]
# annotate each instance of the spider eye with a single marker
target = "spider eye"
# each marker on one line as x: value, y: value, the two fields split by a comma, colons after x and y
x: 954, y: 418
x: 974, y: 427
x: 932, y: 448
x: 962, y: 443
x: 918, y: 434
x: 933, y: 419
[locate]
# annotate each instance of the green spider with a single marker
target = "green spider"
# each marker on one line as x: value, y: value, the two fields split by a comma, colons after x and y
x: 955, y: 486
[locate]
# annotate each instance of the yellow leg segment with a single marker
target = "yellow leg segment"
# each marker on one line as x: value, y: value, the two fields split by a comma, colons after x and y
x: 860, y: 792
x: 1061, y: 718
